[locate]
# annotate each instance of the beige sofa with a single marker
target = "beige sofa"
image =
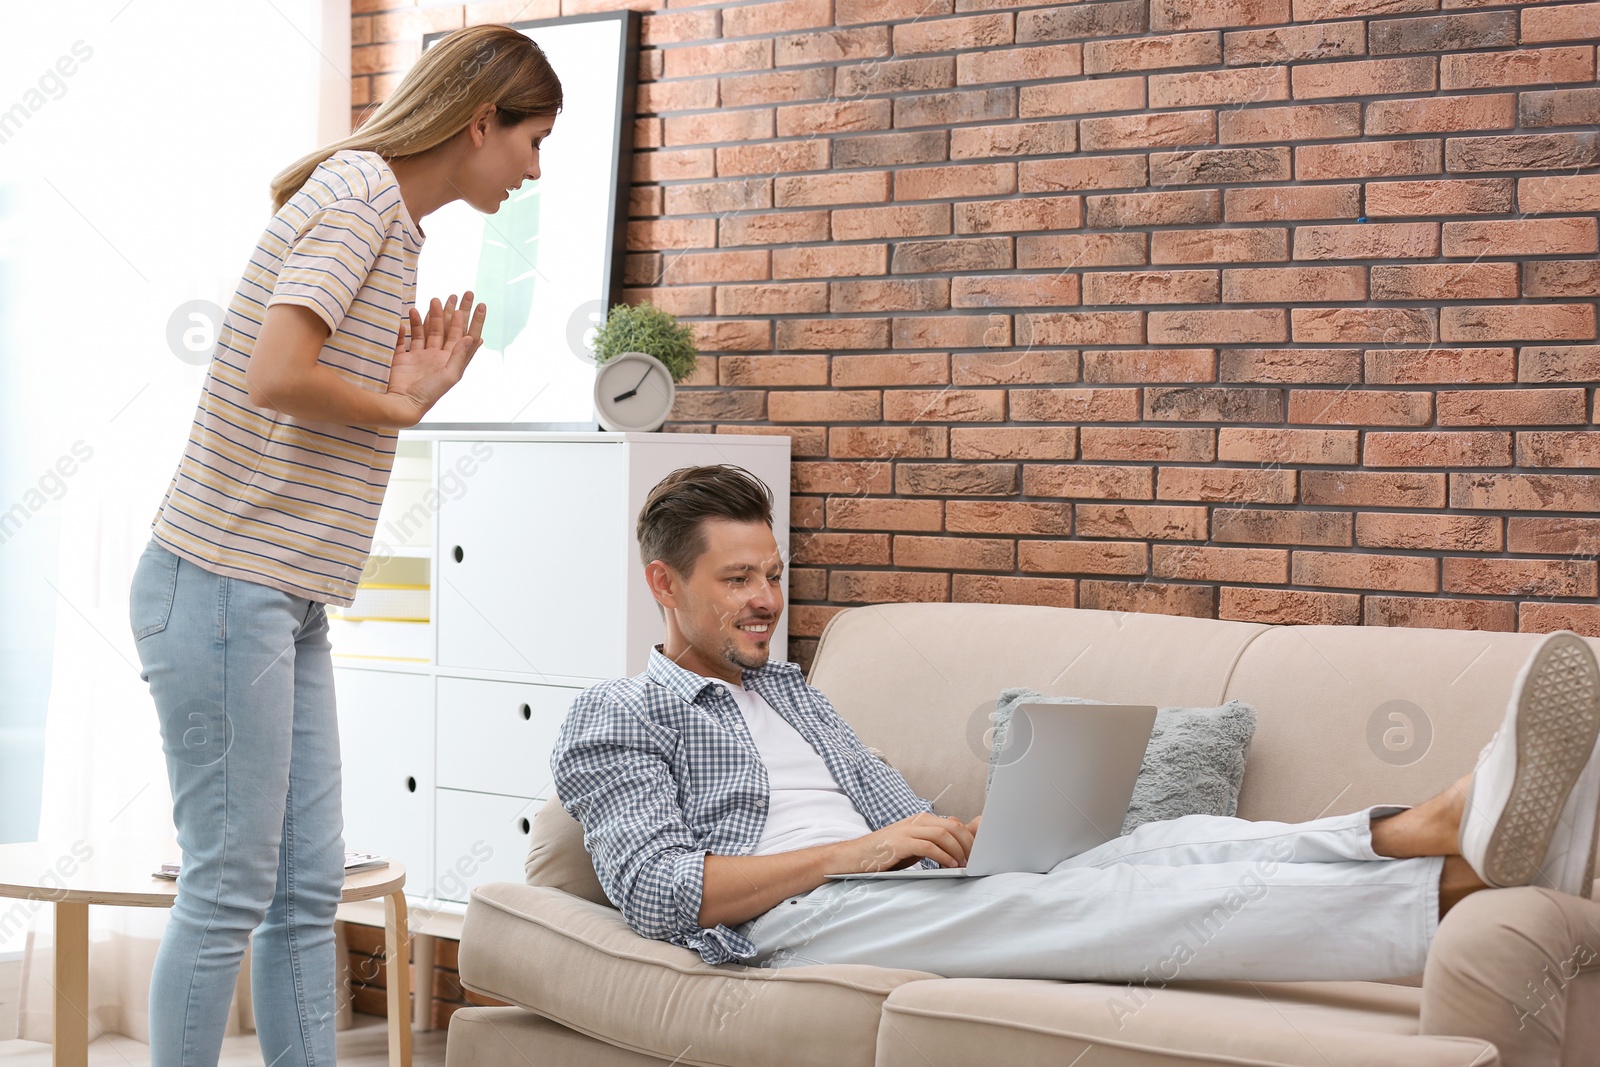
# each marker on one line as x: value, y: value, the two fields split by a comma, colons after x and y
x: 1348, y: 716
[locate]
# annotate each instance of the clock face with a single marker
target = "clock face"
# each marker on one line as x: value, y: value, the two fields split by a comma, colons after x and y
x: 633, y: 392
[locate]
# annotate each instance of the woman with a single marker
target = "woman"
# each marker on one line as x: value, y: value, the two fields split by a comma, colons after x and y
x: 270, y: 516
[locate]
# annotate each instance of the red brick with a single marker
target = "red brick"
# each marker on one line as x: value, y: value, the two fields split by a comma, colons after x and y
x: 733, y: 335
x: 953, y: 34
x: 1563, y: 535
x: 829, y: 261
x: 697, y: 267
x: 1149, y: 598
x: 1366, y: 77
x: 1276, y: 202
x: 1232, y: 326
x: 647, y: 234
x: 1521, y: 237
x: 1232, y: 87
x: 1044, y: 366
x: 1019, y: 214
x: 854, y: 479
x: 1080, y: 97
x: 1561, y: 277
x: 1232, y: 485
x: 803, y: 441
x: 960, y: 254
x: 1087, y: 481
x: 692, y: 404
x: 1391, y: 326
x: 1313, y: 10
x: 1008, y: 516
x: 1014, y: 442
x: 909, y: 220
x: 783, y: 157
x: 965, y: 105
x: 772, y: 370
x: 1370, y: 240
x: 944, y: 405
x: 952, y: 331
x: 1081, y: 327
x: 1019, y: 64
x: 1307, y: 122
x: 840, y: 549
x: 1236, y: 245
x: 1167, y: 208
x: 1150, y: 365
x: 1209, y: 564
x: 1443, y: 33
x: 909, y: 368
x: 1519, y: 577
x: 1014, y: 139
x: 1287, y: 285
x: 850, y: 187
x: 955, y: 553
x: 1540, y: 617
x: 888, y: 149
x: 810, y: 619
x: 770, y: 228
x: 1360, y: 407
x: 831, y: 45
x: 1261, y: 526
x: 1153, y: 522
x: 1082, y: 557
x: 1271, y: 445
x: 1006, y: 589
x: 1525, y: 492
x: 1537, y: 151
x: 1439, y: 613
x: 1511, y: 407
x: 955, y: 479
x: 1521, y: 322
x: 1560, y: 107
x: 889, y: 294
x: 1365, y: 570
x: 832, y: 333
x: 1148, y: 128
x: 1445, y: 281
x: 693, y: 60
x: 1562, y: 363
x: 1438, y: 197
x: 885, y: 587
x: 1570, y: 192
x: 1212, y: 165
x: 1074, y: 405
x: 755, y: 20
x: 1522, y: 66
x: 1181, y: 403
x: 1288, y: 607
x: 1326, y: 365
x: 834, y: 116
x: 960, y: 180
x: 1287, y: 44
x: 1570, y: 22
x: 866, y: 513
x: 1067, y: 251
x: 1112, y: 19
x: 1441, y: 114
x: 691, y: 95
x: 778, y: 299
x: 1373, y: 489
x: 1212, y: 14
x: 1399, y: 366
x: 887, y: 442
x: 1366, y: 159
x: 831, y: 405
x: 1428, y: 531
x: 1013, y: 290
x: 1577, y: 448
x: 1437, y: 449
x: 1151, y: 443
x: 1081, y: 173
x: 1152, y: 52
x: 712, y: 127
x: 1151, y: 287
x: 847, y: 12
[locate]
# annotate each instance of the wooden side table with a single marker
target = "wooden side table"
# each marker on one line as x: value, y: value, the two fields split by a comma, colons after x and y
x: 120, y: 875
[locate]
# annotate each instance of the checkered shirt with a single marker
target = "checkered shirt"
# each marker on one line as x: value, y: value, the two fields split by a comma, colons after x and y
x: 661, y: 770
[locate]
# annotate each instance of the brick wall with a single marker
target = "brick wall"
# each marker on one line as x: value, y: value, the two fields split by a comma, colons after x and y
x: 1257, y: 309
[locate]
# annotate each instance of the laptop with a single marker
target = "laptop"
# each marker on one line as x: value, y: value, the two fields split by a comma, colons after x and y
x: 1061, y: 787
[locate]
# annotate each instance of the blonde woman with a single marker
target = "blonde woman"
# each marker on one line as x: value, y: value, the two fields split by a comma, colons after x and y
x: 270, y: 517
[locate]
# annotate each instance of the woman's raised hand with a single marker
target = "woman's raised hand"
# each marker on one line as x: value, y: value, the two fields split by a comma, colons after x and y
x: 432, y: 360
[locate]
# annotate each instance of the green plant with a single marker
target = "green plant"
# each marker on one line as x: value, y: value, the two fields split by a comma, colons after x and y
x: 646, y: 328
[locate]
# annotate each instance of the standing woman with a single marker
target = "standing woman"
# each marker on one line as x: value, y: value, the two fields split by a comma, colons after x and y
x: 270, y: 516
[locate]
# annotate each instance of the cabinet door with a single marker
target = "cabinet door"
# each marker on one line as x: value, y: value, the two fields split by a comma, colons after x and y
x: 386, y: 745
x: 482, y: 838
x: 495, y: 737
x: 533, y: 557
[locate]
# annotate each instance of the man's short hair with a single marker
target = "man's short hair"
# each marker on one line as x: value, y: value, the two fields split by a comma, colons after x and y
x: 669, y: 526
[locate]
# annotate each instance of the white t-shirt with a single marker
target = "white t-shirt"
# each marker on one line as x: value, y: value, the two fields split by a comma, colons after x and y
x: 807, y: 807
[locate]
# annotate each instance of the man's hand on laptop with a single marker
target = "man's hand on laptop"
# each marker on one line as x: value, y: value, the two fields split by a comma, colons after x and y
x: 942, y: 838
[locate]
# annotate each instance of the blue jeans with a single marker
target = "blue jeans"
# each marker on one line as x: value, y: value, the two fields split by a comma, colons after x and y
x: 242, y: 677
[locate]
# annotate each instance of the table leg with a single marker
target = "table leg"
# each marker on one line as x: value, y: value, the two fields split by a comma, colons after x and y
x: 396, y: 953
x: 71, y: 1038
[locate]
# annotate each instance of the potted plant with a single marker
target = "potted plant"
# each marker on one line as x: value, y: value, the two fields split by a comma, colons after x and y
x: 641, y: 352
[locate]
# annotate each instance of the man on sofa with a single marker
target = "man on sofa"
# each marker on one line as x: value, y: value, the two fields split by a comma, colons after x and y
x: 717, y: 790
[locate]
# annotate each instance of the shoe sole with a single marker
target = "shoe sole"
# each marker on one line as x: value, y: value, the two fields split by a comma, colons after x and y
x: 1558, y: 719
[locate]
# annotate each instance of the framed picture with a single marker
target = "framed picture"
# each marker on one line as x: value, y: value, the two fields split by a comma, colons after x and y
x: 549, y: 263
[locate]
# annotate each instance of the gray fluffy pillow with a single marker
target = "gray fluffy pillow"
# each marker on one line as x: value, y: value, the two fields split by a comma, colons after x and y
x: 1192, y: 766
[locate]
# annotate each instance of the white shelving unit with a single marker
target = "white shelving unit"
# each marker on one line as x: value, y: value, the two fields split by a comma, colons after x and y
x: 525, y: 541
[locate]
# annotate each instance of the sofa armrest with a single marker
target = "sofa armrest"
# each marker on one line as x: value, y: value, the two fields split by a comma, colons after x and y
x: 1512, y: 966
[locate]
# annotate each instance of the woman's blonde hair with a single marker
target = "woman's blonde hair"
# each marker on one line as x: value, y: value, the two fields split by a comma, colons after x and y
x: 438, y: 96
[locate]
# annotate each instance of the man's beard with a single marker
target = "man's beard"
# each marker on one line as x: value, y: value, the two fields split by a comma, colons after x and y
x: 731, y: 653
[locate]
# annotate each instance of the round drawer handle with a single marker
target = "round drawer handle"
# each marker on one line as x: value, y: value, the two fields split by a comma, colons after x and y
x: 527, y: 712
x: 525, y: 824
x: 457, y: 553
x: 411, y: 785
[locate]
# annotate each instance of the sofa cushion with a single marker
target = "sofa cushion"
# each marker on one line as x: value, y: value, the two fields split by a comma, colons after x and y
x: 556, y: 856
x: 578, y: 963
x: 963, y: 1021
x: 498, y: 1037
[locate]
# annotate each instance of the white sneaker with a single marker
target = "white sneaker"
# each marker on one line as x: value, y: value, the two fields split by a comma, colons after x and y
x: 1531, y: 810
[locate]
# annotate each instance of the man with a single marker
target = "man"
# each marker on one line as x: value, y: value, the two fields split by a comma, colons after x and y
x: 717, y: 790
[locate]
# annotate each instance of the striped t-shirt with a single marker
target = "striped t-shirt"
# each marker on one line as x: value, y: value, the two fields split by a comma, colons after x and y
x: 276, y: 500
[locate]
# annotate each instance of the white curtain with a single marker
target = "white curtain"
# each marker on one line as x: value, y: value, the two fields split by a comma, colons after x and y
x: 133, y: 185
